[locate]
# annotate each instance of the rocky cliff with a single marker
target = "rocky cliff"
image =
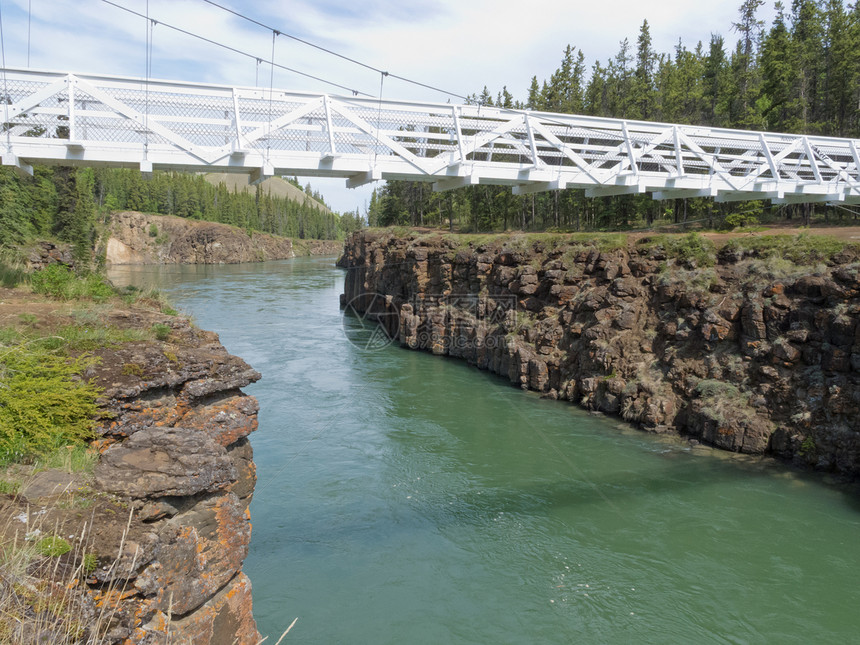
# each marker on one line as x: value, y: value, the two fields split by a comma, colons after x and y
x: 176, y: 448
x: 139, y: 238
x: 736, y: 347
x: 162, y: 526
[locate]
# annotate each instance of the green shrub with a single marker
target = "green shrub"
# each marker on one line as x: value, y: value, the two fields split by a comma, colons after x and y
x: 60, y: 282
x: 153, y: 230
x: 89, y: 563
x: 736, y: 220
x: 807, y: 448
x: 9, y: 487
x: 132, y: 369
x: 53, y: 546
x: 161, y: 331
x: 44, y: 404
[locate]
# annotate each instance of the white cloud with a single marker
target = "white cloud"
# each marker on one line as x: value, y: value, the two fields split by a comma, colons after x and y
x: 459, y: 45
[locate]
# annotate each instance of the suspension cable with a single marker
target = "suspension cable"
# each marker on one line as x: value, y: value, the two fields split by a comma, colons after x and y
x: 240, y: 52
x: 271, y: 92
x: 333, y: 53
x: 853, y: 212
x: 382, y: 76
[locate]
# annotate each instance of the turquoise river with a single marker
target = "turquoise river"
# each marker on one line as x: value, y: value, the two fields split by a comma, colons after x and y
x: 408, y: 499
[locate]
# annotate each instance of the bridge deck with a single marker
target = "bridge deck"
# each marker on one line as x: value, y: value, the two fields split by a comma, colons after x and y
x: 75, y: 119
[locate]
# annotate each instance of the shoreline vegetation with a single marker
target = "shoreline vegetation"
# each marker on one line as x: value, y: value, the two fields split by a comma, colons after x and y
x: 50, y: 325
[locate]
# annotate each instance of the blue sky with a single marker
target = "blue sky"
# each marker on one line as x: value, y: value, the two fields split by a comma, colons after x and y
x: 458, y: 45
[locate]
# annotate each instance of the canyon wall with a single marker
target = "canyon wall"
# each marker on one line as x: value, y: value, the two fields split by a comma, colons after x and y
x: 751, y: 354
x: 174, y: 447
x: 140, y: 238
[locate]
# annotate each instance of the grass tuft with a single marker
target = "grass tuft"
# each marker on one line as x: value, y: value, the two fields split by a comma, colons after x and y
x: 801, y: 250
x: 692, y: 250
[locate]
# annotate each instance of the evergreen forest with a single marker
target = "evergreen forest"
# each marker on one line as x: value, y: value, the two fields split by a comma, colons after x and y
x: 71, y: 204
x: 800, y: 74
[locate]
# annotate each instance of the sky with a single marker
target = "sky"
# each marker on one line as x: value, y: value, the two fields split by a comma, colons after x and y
x: 458, y: 46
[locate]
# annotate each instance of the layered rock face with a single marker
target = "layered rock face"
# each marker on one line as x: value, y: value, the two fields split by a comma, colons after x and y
x: 139, y: 238
x: 743, y: 355
x: 175, y: 448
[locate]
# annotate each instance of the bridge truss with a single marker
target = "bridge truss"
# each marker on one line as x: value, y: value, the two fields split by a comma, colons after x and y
x: 76, y: 119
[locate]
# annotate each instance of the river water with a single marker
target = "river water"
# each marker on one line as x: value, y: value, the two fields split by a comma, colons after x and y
x: 404, y: 498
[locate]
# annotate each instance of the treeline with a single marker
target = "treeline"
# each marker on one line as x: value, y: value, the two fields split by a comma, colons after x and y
x: 800, y: 75
x: 71, y: 203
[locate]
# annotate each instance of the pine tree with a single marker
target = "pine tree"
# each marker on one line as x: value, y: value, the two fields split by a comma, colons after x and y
x: 779, y: 64
x: 642, y: 103
x: 533, y: 102
x: 715, y: 83
x: 807, y: 34
x: 744, y: 70
x: 840, y: 66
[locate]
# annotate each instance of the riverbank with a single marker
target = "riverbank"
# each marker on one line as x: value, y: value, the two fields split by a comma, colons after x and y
x: 151, y: 524
x: 143, y: 238
x: 749, y: 347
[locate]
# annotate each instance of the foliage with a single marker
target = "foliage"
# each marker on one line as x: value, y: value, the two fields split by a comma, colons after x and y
x: 132, y: 369
x: 53, y: 546
x: 737, y: 220
x: 44, y: 404
x: 807, y: 447
x: 60, y: 282
x: 8, y: 487
x: 89, y: 563
x: 161, y: 331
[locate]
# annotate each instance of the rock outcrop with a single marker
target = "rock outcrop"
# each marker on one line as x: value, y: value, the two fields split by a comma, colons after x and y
x: 139, y: 238
x: 747, y: 355
x: 175, y: 448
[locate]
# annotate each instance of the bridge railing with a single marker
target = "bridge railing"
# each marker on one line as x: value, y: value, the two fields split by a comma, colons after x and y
x: 57, y: 117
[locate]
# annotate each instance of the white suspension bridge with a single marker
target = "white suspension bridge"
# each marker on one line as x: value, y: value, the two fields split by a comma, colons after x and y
x: 95, y: 120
